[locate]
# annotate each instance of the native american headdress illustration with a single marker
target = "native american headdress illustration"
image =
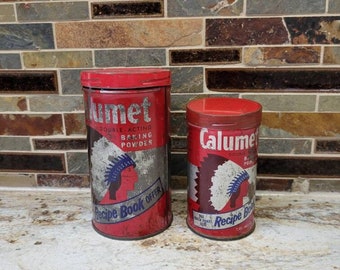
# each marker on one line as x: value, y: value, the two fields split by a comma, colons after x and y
x: 113, y: 173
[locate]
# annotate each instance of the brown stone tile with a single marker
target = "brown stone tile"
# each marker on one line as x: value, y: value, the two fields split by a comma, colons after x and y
x: 313, y: 30
x: 178, y: 182
x: 332, y: 55
x: 302, y: 124
x: 270, y: 79
x: 281, y: 55
x: 31, y: 124
x: 133, y: 33
x: 58, y: 59
x: 17, y: 180
x: 250, y: 31
x: 298, y: 166
x: 63, y: 180
x: 206, y: 56
x: 104, y: 10
x: 59, y: 144
x: 75, y: 123
x: 28, y: 162
x: 274, y: 184
x: 327, y: 146
x: 28, y: 82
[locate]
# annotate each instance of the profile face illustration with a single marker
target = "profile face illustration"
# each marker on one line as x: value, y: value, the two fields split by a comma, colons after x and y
x: 221, y: 185
x: 120, y: 176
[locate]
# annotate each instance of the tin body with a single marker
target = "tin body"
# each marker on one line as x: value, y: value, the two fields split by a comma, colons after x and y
x: 127, y: 119
x: 222, y: 160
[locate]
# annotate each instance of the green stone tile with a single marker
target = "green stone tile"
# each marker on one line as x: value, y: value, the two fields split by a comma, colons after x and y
x: 58, y: 59
x: 285, y: 146
x: 125, y: 58
x: 32, y: 36
x: 7, y: 13
x: 56, y: 103
x: 59, y: 11
x: 285, y: 102
x: 272, y: 7
x: 329, y: 103
x: 77, y: 163
x: 10, y: 61
x: 187, y: 80
x: 13, y: 104
x: 15, y: 144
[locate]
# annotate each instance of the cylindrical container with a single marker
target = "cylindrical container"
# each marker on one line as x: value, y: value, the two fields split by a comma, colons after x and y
x: 127, y: 119
x: 222, y: 159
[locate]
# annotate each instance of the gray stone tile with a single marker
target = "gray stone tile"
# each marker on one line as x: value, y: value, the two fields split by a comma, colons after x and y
x: 125, y: 58
x: 10, y: 61
x: 70, y: 81
x: 329, y: 103
x: 52, y: 103
x: 187, y: 80
x: 32, y: 36
x: 271, y: 7
x: 15, y: 144
x: 53, y: 11
x: 190, y: 8
x: 285, y: 102
x: 285, y: 146
x: 334, y: 6
x: 77, y: 163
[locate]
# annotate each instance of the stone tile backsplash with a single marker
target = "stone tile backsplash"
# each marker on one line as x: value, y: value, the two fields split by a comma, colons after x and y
x: 283, y: 54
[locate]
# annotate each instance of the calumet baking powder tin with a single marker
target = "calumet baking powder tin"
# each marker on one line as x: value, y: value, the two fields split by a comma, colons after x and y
x: 222, y: 156
x: 127, y: 119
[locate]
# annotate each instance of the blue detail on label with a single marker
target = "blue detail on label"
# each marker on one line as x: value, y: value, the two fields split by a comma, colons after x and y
x: 116, y: 166
x: 236, y: 182
x: 224, y: 220
x: 122, y: 211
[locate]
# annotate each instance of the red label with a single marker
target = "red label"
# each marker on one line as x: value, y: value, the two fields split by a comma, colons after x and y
x: 222, y: 177
x: 133, y: 122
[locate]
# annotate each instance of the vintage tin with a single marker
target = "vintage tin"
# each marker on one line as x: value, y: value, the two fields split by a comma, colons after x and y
x: 222, y: 159
x: 127, y: 119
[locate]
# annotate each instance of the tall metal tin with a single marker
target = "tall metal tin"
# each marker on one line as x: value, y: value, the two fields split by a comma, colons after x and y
x: 222, y: 158
x: 127, y: 119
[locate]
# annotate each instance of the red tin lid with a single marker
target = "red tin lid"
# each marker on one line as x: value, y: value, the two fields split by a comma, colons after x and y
x: 224, y: 113
x: 125, y: 78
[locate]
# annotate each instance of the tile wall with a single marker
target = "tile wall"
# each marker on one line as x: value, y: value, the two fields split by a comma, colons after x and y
x: 284, y: 54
